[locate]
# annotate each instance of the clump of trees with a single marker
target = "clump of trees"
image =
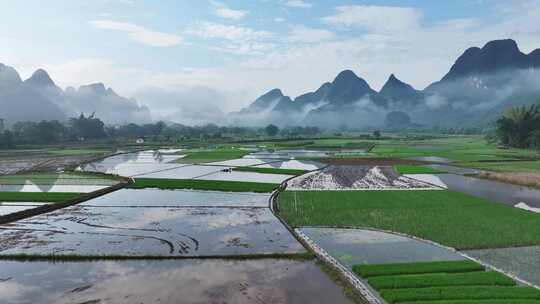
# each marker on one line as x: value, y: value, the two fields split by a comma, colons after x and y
x: 92, y: 129
x: 519, y: 127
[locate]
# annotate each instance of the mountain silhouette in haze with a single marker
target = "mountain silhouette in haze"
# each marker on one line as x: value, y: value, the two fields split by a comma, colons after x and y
x: 39, y: 98
x: 480, y: 84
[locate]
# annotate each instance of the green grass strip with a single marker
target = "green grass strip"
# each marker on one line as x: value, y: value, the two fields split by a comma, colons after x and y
x: 450, y: 218
x: 233, y: 186
x: 52, y: 197
x: 507, y: 301
x: 459, y: 293
x: 479, y: 278
x: 271, y: 170
x: 373, y: 270
x: 413, y: 169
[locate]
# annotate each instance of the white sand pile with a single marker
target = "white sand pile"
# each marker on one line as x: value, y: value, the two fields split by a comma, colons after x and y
x: 355, y: 177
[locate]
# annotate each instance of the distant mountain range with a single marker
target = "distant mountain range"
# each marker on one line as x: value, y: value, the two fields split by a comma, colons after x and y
x: 481, y: 83
x: 39, y: 98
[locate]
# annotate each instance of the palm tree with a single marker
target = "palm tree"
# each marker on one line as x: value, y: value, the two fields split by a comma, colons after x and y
x: 517, y: 124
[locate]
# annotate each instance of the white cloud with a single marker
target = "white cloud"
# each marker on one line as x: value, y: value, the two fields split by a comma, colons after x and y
x: 235, y: 39
x: 279, y: 19
x: 376, y: 18
x: 139, y: 33
x: 300, y: 33
x: 298, y: 3
x: 223, y: 11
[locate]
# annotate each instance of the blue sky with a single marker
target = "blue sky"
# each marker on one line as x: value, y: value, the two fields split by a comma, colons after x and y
x: 220, y: 55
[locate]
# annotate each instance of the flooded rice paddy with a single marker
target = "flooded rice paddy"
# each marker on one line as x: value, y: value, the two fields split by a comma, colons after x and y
x: 129, y: 164
x: 168, y: 282
x: 243, y: 162
x: 288, y: 154
x: 354, y: 178
x: 433, y: 159
x: 523, y: 262
x: 294, y: 164
x: 183, y: 172
x: 11, y: 207
x: 178, y: 198
x: 239, y: 176
x: 358, y: 246
x: 146, y: 231
x: 493, y: 190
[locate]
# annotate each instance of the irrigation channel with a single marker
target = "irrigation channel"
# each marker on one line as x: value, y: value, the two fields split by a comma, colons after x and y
x: 163, y: 246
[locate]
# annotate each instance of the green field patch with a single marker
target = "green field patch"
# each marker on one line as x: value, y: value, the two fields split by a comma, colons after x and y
x: 447, y: 217
x: 492, y: 301
x: 231, y: 186
x: 459, y: 293
x: 271, y: 170
x: 512, y: 166
x: 77, y: 151
x: 208, y: 156
x: 51, y: 197
x: 477, y: 278
x: 413, y: 169
x: 374, y: 270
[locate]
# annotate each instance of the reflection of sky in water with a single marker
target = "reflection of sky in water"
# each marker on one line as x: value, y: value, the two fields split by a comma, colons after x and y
x: 186, y: 281
x: 293, y: 164
x: 172, y: 198
x: 356, y: 246
x: 130, y: 164
x: 247, y: 177
x: 148, y: 231
x: 524, y: 262
x: 492, y: 190
x: 184, y: 172
x: 51, y: 188
x: 246, y: 161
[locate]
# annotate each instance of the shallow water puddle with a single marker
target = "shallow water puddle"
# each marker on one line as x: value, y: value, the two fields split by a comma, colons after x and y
x: 239, y: 176
x: 293, y: 164
x: 149, y: 231
x: 523, y: 262
x: 357, y: 246
x: 435, y: 159
x: 168, y: 282
x: 493, y: 190
x: 452, y: 169
x: 178, y: 198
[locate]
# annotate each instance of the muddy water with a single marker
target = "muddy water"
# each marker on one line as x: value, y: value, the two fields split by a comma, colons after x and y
x: 453, y: 169
x: 149, y: 231
x: 492, y: 190
x: 178, y: 198
x: 523, y: 262
x: 357, y: 246
x: 168, y: 282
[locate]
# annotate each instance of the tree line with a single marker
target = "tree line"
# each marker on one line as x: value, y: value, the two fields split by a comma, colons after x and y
x: 91, y: 129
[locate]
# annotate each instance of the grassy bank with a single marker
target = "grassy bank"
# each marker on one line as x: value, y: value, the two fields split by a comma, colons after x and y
x: 271, y: 170
x: 413, y: 169
x: 52, y: 197
x: 450, y: 218
x: 232, y: 186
